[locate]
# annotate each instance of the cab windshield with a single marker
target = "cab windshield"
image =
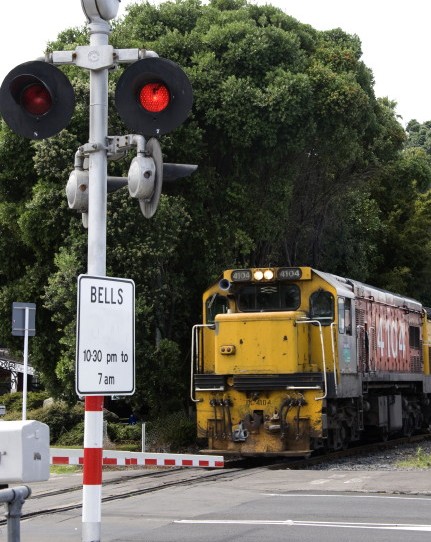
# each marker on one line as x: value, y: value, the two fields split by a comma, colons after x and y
x: 268, y: 297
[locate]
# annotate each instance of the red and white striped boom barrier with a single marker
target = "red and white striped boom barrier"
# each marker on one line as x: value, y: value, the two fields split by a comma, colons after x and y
x: 67, y: 456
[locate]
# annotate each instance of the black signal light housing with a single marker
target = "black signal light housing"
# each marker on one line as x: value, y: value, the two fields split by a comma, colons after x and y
x: 153, y: 96
x: 36, y: 100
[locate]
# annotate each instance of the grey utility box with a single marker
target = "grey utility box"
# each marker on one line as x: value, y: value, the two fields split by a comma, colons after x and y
x: 24, y: 451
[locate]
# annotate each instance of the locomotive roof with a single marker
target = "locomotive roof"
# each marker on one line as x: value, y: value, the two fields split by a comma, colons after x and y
x: 353, y: 288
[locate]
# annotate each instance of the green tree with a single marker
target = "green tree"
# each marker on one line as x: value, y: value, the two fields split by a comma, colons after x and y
x: 401, y: 190
x: 288, y: 136
x: 419, y: 135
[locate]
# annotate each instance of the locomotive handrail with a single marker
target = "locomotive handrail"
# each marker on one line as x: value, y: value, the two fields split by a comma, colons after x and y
x: 325, y: 380
x: 333, y: 326
x: 195, y: 330
x: 303, y: 388
x: 368, y: 337
x: 359, y: 345
x: 371, y: 343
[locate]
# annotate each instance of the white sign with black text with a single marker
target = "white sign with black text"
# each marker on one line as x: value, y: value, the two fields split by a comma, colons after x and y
x: 105, y: 341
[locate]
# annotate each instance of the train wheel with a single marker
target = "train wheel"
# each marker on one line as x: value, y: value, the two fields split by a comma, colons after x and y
x: 408, y: 426
x: 345, y: 436
x: 384, y: 433
x: 339, y: 439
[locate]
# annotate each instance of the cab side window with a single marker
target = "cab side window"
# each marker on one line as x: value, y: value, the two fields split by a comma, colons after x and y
x: 322, y: 307
x: 216, y: 304
x: 345, y: 315
x: 414, y: 337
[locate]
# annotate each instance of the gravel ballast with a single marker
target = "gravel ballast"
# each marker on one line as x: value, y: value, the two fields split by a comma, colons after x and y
x: 385, y: 459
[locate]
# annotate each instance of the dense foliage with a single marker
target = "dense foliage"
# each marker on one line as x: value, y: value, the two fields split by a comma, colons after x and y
x: 171, y: 433
x: 299, y: 164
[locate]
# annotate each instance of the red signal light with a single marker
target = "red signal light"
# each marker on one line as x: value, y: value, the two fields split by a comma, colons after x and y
x: 154, y: 97
x: 36, y: 99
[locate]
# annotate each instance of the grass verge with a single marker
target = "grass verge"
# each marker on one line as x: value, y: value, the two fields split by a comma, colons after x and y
x: 421, y: 460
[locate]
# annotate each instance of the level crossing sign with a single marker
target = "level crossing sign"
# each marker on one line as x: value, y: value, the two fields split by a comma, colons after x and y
x: 105, y: 339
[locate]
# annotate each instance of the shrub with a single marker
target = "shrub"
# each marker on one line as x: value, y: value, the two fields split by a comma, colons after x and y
x: 118, y: 432
x: 13, y: 401
x: 74, y: 437
x: 182, y: 434
x: 109, y: 416
x: 170, y: 433
x: 60, y: 418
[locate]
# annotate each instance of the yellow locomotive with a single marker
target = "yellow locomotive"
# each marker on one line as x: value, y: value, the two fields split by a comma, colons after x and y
x: 291, y: 360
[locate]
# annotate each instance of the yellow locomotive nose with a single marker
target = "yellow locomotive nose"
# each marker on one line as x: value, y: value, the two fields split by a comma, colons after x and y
x: 260, y: 342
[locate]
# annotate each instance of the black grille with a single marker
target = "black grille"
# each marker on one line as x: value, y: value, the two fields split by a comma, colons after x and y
x: 210, y: 382
x: 277, y: 381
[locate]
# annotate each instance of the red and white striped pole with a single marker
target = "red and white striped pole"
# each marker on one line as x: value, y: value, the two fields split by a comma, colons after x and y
x: 97, y: 203
x: 92, y: 469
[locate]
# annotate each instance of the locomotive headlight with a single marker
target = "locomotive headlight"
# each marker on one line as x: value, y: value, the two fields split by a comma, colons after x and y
x: 258, y: 275
x: 268, y: 274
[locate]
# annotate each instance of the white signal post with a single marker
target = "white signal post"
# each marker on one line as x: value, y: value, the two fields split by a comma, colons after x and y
x: 97, y: 204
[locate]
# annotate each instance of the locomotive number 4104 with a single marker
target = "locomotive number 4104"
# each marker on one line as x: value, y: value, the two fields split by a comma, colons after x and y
x: 391, y: 338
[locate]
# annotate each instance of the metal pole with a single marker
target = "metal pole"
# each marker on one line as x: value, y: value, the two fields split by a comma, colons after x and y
x: 93, y: 427
x: 14, y: 497
x: 24, y: 376
x: 143, y: 437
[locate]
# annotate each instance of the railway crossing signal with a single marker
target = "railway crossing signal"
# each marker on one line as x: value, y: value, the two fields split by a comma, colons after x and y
x: 36, y: 100
x: 153, y: 96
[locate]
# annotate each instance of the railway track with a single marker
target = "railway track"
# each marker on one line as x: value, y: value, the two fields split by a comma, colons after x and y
x: 122, y: 484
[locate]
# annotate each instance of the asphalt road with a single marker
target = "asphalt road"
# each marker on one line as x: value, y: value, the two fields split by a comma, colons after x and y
x: 259, y: 505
